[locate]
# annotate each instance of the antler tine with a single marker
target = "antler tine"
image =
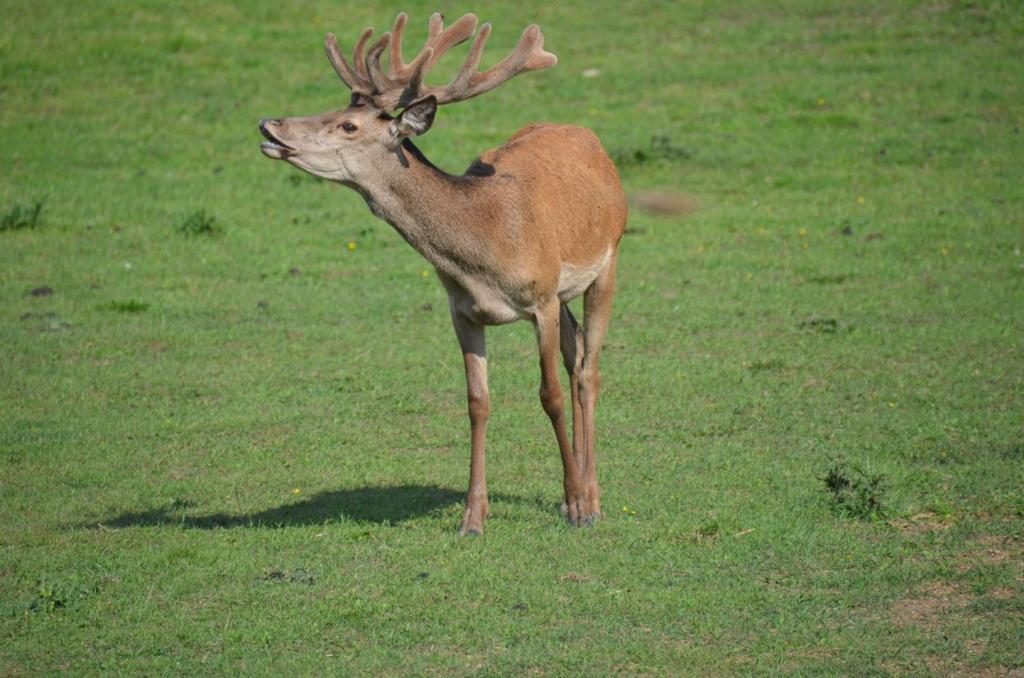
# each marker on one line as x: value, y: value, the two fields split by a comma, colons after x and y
x: 397, y: 65
x: 357, y: 52
x: 528, y: 55
x: 434, y: 25
x: 378, y: 78
x: 352, y: 79
x: 415, y: 83
x: 457, y: 33
x: 354, y: 76
x: 472, y: 60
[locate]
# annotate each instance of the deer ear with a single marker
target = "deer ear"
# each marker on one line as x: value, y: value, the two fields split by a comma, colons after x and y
x: 416, y: 119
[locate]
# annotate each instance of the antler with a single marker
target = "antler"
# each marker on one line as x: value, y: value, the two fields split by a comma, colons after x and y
x: 403, y: 84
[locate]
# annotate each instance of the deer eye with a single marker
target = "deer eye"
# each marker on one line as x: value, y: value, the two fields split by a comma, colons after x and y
x: 348, y: 127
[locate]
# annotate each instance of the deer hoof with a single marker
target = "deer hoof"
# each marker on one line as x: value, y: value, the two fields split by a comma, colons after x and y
x: 584, y: 521
x: 581, y: 518
x: 473, y: 517
x: 583, y: 510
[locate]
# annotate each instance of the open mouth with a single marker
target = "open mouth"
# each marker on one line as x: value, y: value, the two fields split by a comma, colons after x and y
x: 273, y: 147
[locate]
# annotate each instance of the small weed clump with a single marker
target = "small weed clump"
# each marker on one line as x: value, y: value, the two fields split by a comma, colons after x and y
x: 820, y: 325
x: 855, y: 492
x: 129, y: 306
x: 22, y: 216
x: 293, y: 577
x: 707, y: 533
x: 199, y: 223
x: 51, y: 595
x: 766, y: 365
x: 49, y: 598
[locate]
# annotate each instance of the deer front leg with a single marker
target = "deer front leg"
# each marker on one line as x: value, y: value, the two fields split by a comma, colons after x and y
x: 474, y: 354
x: 577, y: 503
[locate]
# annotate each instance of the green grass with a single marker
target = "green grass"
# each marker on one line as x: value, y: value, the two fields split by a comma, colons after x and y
x: 246, y: 454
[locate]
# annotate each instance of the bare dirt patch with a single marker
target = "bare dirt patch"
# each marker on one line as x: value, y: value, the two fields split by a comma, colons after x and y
x: 664, y: 203
x: 1001, y: 593
x: 929, y: 610
x: 941, y: 606
x: 986, y: 672
x: 575, y: 578
x: 921, y: 523
x: 994, y: 550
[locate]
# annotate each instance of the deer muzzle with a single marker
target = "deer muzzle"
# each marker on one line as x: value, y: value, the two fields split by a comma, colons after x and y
x: 273, y: 147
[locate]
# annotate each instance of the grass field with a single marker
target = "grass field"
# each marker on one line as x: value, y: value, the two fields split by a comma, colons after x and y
x: 233, y: 434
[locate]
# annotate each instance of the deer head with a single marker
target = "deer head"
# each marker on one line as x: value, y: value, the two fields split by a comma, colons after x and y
x: 346, y: 145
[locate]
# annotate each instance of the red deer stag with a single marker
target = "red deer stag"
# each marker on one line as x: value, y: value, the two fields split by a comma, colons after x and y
x: 528, y: 227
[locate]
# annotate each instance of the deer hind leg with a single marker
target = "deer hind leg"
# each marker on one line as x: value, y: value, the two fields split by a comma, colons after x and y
x: 547, y: 325
x: 474, y: 354
x: 572, y: 355
x: 597, y: 308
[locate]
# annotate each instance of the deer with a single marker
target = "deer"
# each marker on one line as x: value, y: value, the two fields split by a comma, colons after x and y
x: 528, y: 227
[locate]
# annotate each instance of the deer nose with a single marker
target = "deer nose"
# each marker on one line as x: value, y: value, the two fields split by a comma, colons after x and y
x: 265, y: 122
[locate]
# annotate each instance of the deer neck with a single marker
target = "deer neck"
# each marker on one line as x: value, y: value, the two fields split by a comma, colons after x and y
x: 429, y: 208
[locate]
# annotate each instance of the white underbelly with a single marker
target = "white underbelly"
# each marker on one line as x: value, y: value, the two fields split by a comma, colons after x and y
x: 482, y: 303
x: 574, y: 280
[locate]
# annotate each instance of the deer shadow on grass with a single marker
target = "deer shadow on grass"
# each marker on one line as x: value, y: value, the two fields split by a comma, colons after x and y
x: 384, y: 505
